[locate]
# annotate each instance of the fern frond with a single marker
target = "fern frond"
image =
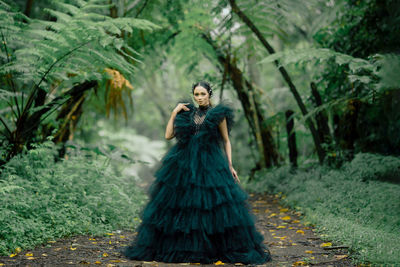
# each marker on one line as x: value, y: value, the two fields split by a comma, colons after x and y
x: 95, y: 7
x: 49, y: 40
x: 61, y: 17
x: 388, y: 69
x: 79, y: 3
x: 320, y: 54
x: 67, y: 8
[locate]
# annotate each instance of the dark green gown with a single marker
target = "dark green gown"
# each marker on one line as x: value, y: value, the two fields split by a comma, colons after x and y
x: 196, y: 212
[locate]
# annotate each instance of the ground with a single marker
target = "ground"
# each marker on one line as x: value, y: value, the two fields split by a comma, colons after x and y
x: 290, y: 243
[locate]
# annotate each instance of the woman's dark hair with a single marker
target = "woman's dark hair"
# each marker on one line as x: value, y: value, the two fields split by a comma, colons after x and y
x: 203, y: 84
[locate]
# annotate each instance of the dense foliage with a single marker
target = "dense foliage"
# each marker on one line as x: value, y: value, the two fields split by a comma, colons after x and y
x: 356, y: 205
x: 43, y: 200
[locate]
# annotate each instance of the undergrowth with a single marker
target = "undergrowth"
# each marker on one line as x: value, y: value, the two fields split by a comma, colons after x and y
x: 41, y: 199
x: 355, y: 205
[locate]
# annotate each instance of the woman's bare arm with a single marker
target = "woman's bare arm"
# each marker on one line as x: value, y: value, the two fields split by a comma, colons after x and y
x: 169, y: 131
x: 225, y: 137
x: 223, y: 128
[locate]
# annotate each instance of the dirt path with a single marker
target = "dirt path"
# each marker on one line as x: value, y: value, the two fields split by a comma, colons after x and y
x: 290, y: 243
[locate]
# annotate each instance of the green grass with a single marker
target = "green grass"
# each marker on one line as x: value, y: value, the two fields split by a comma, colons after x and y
x: 42, y: 200
x: 353, y: 206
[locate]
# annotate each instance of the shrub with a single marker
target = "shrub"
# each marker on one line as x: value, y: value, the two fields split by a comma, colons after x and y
x: 41, y: 199
x: 350, y: 205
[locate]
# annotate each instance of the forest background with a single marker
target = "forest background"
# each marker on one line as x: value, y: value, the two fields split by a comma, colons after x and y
x: 87, y: 88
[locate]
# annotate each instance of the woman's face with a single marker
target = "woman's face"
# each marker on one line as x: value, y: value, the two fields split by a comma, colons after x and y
x: 201, y: 96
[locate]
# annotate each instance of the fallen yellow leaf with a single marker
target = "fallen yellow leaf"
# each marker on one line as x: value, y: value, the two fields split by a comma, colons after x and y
x: 271, y: 230
x: 51, y: 241
x: 71, y: 248
x: 328, y: 244
x: 283, y: 237
x: 309, y: 251
x: 30, y: 258
x: 286, y: 218
x: 44, y: 255
x: 284, y: 210
x: 300, y: 232
x: 299, y: 263
x: 312, y: 257
x: 18, y: 250
x: 294, y: 244
x: 109, y: 234
x: 1, y: 264
x: 219, y: 263
x: 272, y: 215
x: 105, y: 254
x: 29, y: 254
x: 115, y: 261
x: 121, y: 236
x: 295, y: 221
x: 109, y: 242
x: 340, y: 256
x: 97, y: 262
x: 281, y: 226
x: 94, y: 242
x: 13, y: 255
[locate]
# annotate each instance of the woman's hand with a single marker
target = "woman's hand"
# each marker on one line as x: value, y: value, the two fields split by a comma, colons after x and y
x: 169, y: 131
x: 179, y: 107
x: 234, y: 174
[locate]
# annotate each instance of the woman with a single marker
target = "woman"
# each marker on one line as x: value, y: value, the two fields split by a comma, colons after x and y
x: 197, y: 211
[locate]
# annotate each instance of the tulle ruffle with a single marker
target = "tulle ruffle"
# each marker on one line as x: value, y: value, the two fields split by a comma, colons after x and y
x: 196, y: 212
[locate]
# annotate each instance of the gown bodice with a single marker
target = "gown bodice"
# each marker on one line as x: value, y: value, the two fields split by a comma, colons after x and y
x: 203, y: 123
x: 199, y: 115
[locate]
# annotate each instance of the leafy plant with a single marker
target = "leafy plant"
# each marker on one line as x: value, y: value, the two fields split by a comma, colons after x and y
x: 42, y: 199
x: 52, y: 63
x: 353, y: 205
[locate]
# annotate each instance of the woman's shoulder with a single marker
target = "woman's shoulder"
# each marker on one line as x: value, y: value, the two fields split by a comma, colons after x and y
x: 224, y: 109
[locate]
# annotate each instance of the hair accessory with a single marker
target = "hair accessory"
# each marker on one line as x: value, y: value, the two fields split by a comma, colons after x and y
x: 204, y: 84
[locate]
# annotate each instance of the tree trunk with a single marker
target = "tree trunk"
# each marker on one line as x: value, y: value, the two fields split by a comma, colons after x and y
x: 69, y: 115
x: 28, y: 7
x: 291, y: 138
x: 282, y: 70
x: 258, y: 136
x: 321, y: 118
x: 346, y: 125
x: 27, y: 125
x: 242, y: 87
